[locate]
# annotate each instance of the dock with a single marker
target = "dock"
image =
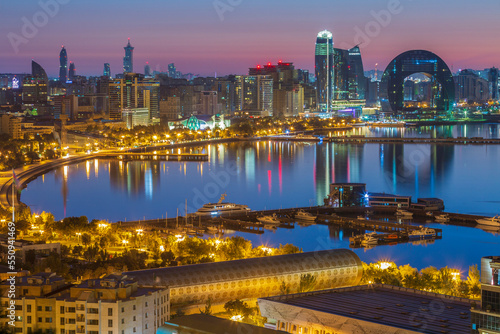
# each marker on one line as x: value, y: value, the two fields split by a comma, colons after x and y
x: 162, y: 156
x: 387, y: 140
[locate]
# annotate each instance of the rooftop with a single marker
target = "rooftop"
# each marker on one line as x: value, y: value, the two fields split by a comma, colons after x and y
x: 210, y: 324
x: 389, y: 305
x: 247, y: 268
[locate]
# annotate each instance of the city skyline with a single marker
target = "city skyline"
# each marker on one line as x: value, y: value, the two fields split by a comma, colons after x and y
x: 213, y: 37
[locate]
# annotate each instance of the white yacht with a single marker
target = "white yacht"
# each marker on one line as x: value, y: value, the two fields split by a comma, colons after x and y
x: 302, y: 215
x: 404, y: 213
x: 269, y: 220
x: 221, y: 208
x: 422, y: 233
x: 489, y: 221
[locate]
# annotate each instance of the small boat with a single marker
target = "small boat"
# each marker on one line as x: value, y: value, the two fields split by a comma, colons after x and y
x: 422, y: 233
x: 489, y: 221
x: 442, y: 218
x: 403, y: 213
x: 429, y: 214
x: 361, y: 218
x: 302, y: 215
x: 212, y: 229
x: 269, y: 220
x: 393, y: 236
x: 369, y: 239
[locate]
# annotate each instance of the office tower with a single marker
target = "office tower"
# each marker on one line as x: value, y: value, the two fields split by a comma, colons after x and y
x: 35, y: 88
x: 471, y: 88
x: 485, y: 316
x: 324, y: 69
x: 341, y: 74
x: 128, y: 60
x: 63, y: 66
x: 107, y: 70
x: 357, y: 80
x: 254, y: 94
x: 172, y: 71
x: 72, y: 71
x: 131, y: 92
x: 493, y: 81
x: 147, y: 69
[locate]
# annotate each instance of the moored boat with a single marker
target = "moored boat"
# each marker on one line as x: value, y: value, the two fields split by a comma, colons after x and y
x: 302, y: 215
x: 489, y: 221
x: 269, y: 220
x: 422, y: 233
x: 221, y: 208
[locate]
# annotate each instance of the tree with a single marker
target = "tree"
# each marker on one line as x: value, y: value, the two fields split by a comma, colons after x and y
x: 237, y: 307
x: 86, y: 239
x: 284, y: 288
x: 307, y: 283
x: 208, y: 307
x: 474, y: 281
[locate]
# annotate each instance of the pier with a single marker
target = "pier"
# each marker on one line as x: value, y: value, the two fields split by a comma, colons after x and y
x: 390, y: 140
x: 163, y: 156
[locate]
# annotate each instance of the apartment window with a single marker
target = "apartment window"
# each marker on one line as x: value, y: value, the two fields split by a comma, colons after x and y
x: 110, y: 323
x: 30, y: 330
x: 71, y: 309
x: 28, y: 319
x: 146, y: 326
x: 71, y: 321
x: 93, y: 310
x: 146, y: 304
x: 110, y: 312
x: 40, y: 319
x: 110, y: 332
x: 93, y: 332
x: 134, y: 329
x: 62, y: 321
x: 18, y: 307
x: 39, y: 308
x: 48, y: 308
x: 25, y: 292
x: 133, y: 307
x: 123, y: 321
x: 28, y: 308
x: 134, y: 318
x: 123, y: 332
x: 18, y: 330
x: 63, y: 331
x: 92, y: 322
x: 48, y: 320
x: 62, y: 309
x: 71, y: 331
x: 146, y: 315
x: 123, y: 309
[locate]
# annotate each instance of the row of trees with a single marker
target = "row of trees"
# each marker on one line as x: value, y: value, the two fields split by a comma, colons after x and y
x: 446, y: 280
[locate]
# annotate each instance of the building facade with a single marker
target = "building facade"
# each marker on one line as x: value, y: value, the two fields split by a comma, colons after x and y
x: 254, y: 94
x: 324, y: 70
x: 252, y: 278
x: 63, y: 66
x: 111, y: 305
x: 485, y: 317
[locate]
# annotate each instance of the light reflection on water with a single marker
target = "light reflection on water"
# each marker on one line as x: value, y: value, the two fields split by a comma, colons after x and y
x: 276, y: 175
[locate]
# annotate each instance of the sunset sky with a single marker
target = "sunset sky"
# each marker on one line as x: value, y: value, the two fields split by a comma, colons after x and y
x: 193, y: 35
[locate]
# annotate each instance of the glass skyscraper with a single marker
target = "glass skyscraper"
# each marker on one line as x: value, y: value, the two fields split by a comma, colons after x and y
x: 357, y: 80
x: 107, y: 70
x: 324, y: 72
x: 63, y: 66
x: 72, y: 70
x: 128, y: 61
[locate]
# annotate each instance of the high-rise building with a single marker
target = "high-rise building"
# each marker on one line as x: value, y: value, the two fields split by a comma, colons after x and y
x: 131, y: 92
x: 324, y: 70
x: 107, y: 70
x: 485, y: 317
x: 35, y: 88
x: 357, y: 79
x: 172, y: 71
x: 494, y: 83
x: 128, y: 60
x: 72, y: 71
x: 341, y: 74
x: 63, y: 66
x: 254, y: 94
x: 147, y: 69
x: 471, y: 88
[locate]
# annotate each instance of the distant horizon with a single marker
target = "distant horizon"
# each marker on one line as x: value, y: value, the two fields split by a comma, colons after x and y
x: 205, y: 38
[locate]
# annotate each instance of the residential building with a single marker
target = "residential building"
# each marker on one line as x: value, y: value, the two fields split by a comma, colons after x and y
x: 485, y: 317
x: 113, y: 305
x: 136, y: 117
x: 254, y: 95
x: 11, y: 125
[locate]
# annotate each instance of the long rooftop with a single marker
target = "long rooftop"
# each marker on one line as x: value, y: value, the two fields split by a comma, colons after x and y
x: 389, y: 305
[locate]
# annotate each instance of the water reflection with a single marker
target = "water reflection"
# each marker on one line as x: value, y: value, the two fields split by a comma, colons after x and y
x: 136, y: 178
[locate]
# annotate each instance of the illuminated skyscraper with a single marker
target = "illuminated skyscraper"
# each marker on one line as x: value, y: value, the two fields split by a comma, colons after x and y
x: 147, y: 69
x: 72, y: 70
x: 324, y: 69
x: 128, y: 60
x: 107, y: 70
x: 63, y: 66
x: 357, y: 80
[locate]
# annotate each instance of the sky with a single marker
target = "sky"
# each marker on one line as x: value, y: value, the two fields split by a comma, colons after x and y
x: 228, y: 36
